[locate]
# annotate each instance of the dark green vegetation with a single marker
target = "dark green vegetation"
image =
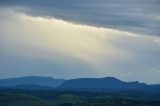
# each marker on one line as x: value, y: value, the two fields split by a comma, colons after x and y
x: 75, y: 98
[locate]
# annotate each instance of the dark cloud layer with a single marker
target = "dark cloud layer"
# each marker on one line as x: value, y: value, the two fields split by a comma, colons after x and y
x: 138, y: 16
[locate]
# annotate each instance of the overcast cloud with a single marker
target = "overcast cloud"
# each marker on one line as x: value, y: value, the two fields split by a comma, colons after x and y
x: 138, y: 16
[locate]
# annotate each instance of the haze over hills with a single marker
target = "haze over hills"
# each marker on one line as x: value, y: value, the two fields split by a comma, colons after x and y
x: 85, y: 84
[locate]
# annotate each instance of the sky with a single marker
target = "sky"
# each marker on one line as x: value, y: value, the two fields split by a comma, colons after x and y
x: 80, y: 38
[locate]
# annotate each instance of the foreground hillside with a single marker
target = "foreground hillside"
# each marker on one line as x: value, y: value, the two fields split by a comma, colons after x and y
x: 70, y: 98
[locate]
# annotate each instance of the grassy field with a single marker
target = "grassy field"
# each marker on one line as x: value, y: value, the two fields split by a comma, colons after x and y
x: 75, y: 98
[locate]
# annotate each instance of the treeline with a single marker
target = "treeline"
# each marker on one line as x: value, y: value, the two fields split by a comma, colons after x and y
x: 70, y: 98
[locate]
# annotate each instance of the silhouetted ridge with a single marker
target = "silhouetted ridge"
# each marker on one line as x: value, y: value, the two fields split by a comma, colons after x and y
x: 107, y: 83
x: 87, y: 84
x: 93, y: 83
x: 31, y: 80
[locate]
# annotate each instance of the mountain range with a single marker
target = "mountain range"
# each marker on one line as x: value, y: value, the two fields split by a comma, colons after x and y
x: 110, y: 84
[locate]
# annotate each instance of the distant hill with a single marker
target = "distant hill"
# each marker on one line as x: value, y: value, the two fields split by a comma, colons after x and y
x: 107, y: 84
x: 31, y: 80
